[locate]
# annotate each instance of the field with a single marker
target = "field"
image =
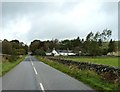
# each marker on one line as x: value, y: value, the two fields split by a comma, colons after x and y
x: 111, y: 61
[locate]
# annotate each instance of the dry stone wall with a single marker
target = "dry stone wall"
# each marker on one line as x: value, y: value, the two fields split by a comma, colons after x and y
x: 108, y: 72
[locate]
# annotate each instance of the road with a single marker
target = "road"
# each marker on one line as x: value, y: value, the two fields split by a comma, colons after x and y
x: 32, y: 74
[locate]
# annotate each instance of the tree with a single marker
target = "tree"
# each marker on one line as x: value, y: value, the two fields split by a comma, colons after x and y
x: 40, y: 52
x: 94, y: 48
x: 82, y: 41
x: 66, y: 44
x: 111, y: 46
x: 6, y: 47
x: 105, y: 35
x: 89, y: 36
x: 94, y: 43
x: 18, y: 47
x: 19, y: 51
x: 34, y: 45
x: 77, y: 45
x: 0, y: 46
x: 100, y: 42
x: 97, y: 36
x: 25, y: 47
x: 15, y: 41
x: 15, y: 44
x: 118, y: 45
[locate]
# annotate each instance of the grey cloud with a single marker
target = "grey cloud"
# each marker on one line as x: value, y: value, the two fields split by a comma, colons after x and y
x: 13, y: 8
x: 52, y: 20
x: 109, y: 7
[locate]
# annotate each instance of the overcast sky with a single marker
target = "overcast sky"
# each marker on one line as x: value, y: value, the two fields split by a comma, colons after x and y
x: 27, y: 21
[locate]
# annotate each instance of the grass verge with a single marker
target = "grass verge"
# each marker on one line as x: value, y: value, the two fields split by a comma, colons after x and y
x: 0, y: 68
x: 88, y: 77
x: 7, y: 66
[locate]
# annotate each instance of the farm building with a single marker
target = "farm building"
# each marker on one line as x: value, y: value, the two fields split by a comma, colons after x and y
x: 60, y: 53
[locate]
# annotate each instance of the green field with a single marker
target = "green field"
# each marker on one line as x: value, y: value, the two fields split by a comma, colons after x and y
x: 7, y: 66
x: 111, y: 61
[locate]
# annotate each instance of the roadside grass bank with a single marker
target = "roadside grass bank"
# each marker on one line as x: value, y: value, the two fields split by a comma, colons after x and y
x: 8, y: 65
x: 1, y: 68
x: 111, y: 61
x: 86, y: 76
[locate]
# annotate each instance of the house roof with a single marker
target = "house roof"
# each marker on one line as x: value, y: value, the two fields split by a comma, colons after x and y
x: 48, y: 51
x: 64, y: 51
x: 59, y: 51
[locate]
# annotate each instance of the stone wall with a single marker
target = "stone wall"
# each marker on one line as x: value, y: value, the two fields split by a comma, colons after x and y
x: 110, y: 72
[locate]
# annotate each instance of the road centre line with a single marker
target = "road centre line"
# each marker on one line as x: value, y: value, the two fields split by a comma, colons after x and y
x: 31, y: 62
x: 33, y: 67
x: 41, y: 86
x: 35, y: 70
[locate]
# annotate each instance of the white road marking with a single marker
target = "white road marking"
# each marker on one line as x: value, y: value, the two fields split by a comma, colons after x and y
x: 35, y: 70
x: 41, y: 86
x: 33, y: 67
x: 31, y: 62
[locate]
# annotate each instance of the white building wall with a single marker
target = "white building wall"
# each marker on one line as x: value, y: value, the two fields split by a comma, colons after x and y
x: 55, y: 53
x: 48, y: 54
x: 71, y: 54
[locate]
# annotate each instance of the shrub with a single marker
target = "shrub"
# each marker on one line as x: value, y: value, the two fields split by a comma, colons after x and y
x: 40, y: 52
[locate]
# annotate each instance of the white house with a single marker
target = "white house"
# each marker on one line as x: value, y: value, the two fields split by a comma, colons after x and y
x: 61, y: 53
x: 71, y: 54
x: 55, y: 53
x: 48, y: 53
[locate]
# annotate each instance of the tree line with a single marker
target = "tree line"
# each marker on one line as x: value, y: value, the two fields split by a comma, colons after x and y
x: 12, y: 49
x: 94, y: 44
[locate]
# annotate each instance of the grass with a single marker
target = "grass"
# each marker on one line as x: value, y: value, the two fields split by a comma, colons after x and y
x: 7, y: 66
x: 88, y: 77
x: 111, y: 61
x: 0, y: 68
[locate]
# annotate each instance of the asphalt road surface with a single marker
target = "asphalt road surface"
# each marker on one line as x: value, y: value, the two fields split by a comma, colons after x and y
x: 32, y: 74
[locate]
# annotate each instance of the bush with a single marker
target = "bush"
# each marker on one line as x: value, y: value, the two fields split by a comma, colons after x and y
x: 40, y: 52
x: 13, y: 58
x: 19, y: 52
